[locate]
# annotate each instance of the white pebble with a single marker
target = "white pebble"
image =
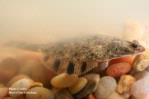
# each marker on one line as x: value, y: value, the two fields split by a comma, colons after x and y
x: 140, y: 89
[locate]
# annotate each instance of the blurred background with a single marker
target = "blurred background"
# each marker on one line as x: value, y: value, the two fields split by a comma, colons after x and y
x: 49, y: 20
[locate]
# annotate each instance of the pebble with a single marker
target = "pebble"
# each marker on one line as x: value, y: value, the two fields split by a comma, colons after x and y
x: 81, y: 83
x: 41, y: 93
x: 37, y: 71
x: 93, y: 77
x: 16, y: 78
x: 64, y: 80
x: 93, y: 81
x: 140, y: 89
x: 118, y: 69
x: 139, y: 75
x: 115, y: 95
x: 88, y: 89
x: 125, y: 83
x: 8, y: 68
x: 24, y: 83
x: 63, y: 94
x: 91, y: 96
x: 133, y: 97
x: 127, y: 95
x: 37, y: 84
x: 3, y: 92
x: 145, y: 45
x: 141, y: 62
x: 20, y: 77
x: 107, y: 85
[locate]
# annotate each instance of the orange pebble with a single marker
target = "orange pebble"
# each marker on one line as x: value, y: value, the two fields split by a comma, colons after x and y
x: 91, y: 96
x: 128, y: 59
x: 118, y: 69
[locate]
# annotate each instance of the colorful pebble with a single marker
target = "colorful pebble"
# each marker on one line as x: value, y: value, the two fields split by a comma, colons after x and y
x: 64, y: 80
x: 93, y: 81
x: 141, y: 62
x: 140, y: 89
x: 91, y: 96
x: 88, y: 89
x: 24, y: 83
x: 36, y: 71
x: 16, y: 78
x: 118, y: 69
x: 81, y: 83
x: 115, y: 95
x: 3, y: 92
x: 63, y: 94
x: 8, y: 68
x: 125, y: 83
x: 93, y: 77
x: 139, y: 75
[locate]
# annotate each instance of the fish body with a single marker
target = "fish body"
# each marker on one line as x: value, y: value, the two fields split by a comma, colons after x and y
x: 81, y: 55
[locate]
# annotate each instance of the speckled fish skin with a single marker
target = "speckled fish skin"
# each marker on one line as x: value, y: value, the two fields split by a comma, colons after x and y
x: 99, y: 48
x: 82, y: 54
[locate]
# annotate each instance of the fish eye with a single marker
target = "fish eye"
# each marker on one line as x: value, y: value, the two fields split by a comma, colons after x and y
x: 135, y: 44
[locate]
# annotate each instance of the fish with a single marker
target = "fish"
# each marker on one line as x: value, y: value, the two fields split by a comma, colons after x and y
x: 80, y: 55
x: 83, y: 54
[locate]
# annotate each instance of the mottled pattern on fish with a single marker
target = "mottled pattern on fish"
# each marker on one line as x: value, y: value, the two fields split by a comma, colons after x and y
x: 81, y: 55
